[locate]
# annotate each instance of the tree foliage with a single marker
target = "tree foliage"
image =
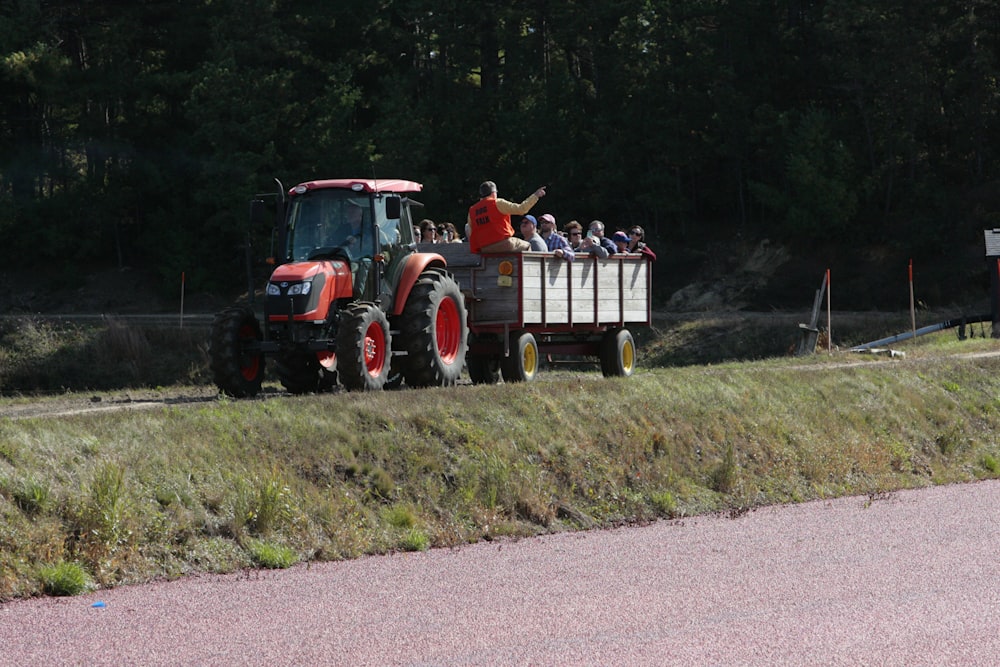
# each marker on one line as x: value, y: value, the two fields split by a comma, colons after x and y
x: 134, y: 134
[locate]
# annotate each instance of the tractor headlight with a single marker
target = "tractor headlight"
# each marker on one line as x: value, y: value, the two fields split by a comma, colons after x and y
x: 294, y: 289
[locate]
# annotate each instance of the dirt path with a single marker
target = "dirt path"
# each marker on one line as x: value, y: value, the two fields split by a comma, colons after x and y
x: 902, y: 579
x: 82, y: 403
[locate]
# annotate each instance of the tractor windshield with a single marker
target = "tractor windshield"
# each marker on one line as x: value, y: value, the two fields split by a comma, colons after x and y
x: 322, y: 222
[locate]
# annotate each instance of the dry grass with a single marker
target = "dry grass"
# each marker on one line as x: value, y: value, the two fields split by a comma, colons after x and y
x: 217, y: 486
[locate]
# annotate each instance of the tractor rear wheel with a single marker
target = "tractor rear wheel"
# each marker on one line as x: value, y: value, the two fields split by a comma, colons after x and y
x: 617, y: 353
x: 363, y: 348
x: 236, y: 361
x: 521, y: 365
x: 435, y: 331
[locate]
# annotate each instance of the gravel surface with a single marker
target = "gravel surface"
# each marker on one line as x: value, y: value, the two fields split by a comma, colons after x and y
x: 900, y: 579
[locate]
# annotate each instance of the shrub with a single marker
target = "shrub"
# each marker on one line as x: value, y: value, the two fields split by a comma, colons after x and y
x: 272, y: 556
x: 64, y: 579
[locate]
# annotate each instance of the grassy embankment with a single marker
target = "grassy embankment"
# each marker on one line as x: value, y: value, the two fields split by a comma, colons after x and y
x: 109, y: 498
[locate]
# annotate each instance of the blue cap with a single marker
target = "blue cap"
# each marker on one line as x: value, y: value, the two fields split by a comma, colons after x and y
x: 531, y: 219
x: 620, y: 237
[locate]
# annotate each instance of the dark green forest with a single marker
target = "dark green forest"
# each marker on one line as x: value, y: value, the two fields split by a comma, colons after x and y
x: 133, y: 133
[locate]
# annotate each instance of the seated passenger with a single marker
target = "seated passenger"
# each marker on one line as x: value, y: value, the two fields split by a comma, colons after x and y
x: 529, y: 232
x: 621, y: 243
x: 489, y: 221
x: 583, y: 244
x: 450, y: 234
x: 428, y: 232
x: 554, y: 241
x: 597, y: 231
x: 637, y: 244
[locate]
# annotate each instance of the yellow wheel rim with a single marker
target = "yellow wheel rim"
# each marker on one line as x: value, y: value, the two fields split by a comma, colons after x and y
x: 530, y: 360
x: 628, y: 356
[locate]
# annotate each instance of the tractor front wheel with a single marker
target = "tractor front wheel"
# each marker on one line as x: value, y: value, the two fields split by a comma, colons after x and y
x: 234, y: 349
x: 363, y: 348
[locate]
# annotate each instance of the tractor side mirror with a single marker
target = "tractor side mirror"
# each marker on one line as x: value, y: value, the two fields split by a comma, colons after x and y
x: 393, y: 208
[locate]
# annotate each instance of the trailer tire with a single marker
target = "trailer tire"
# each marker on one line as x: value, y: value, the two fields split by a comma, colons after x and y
x: 435, y: 331
x: 363, y: 348
x: 617, y: 353
x: 236, y: 361
x: 521, y: 365
x: 483, y: 369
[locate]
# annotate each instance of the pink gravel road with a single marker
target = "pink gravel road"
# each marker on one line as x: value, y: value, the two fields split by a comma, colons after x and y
x: 905, y: 579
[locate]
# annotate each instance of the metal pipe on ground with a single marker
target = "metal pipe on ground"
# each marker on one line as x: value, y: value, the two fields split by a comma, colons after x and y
x: 906, y: 335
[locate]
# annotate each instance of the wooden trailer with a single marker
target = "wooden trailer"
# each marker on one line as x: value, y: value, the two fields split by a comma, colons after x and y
x: 523, y: 306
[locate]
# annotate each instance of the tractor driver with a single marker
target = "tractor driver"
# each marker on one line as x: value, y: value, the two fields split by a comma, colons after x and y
x: 353, y: 233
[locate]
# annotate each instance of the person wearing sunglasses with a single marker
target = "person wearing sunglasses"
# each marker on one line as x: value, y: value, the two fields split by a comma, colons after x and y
x: 636, y: 242
x: 581, y: 244
x: 554, y: 241
x: 529, y: 232
x: 428, y: 232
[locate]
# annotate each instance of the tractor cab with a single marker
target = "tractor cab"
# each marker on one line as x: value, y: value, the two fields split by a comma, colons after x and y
x: 354, y: 226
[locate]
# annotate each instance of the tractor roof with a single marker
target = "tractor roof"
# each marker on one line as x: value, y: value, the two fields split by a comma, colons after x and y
x: 361, y: 185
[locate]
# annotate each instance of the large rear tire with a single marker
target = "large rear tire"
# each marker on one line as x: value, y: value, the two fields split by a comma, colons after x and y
x: 435, y: 331
x: 234, y: 350
x: 617, y: 353
x: 521, y: 365
x: 363, y: 348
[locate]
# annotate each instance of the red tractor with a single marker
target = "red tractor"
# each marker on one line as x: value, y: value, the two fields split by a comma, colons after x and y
x: 350, y: 300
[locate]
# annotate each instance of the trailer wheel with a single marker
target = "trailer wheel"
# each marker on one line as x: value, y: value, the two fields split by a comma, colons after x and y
x: 236, y: 361
x: 435, y: 331
x: 363, y: 348
x: 483, y: 369
x: 617, y: 353
x: 522, y: 363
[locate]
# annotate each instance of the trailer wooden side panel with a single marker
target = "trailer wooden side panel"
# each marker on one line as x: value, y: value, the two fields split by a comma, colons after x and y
x: 537, y: 290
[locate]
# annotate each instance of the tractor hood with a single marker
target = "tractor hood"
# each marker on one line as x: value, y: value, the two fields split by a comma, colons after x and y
x: 306, y: 290
x: 299, y: 271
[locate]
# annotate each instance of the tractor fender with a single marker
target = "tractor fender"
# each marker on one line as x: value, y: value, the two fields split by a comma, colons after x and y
x: 415, y: 265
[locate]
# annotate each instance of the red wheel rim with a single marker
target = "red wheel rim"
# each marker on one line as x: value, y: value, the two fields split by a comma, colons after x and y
x: 448, y: 328
x: 374, y: 349
x: 249, y: 363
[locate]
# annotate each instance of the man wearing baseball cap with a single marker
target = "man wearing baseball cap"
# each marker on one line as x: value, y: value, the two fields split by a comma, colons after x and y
x: 529, y: 232
x: 554, y: 242
x: 489, y: 221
